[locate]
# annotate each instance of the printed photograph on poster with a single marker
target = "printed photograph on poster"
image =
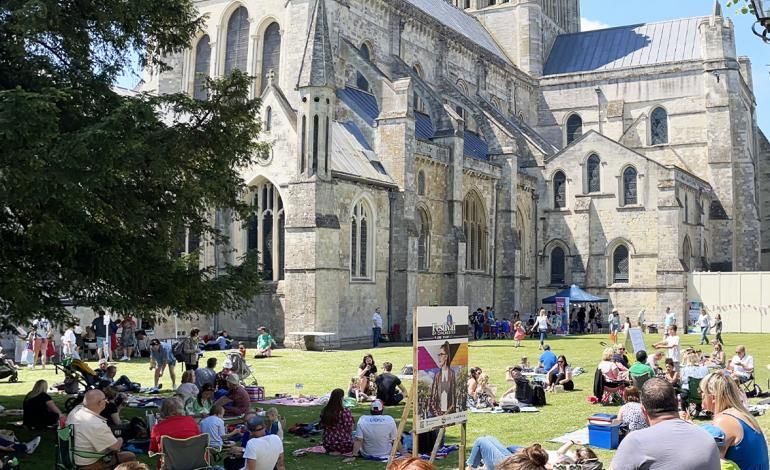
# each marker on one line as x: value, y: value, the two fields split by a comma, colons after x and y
x: 442, y: 367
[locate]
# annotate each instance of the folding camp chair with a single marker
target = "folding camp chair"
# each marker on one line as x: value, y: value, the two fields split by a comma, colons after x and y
x: 639, y: 380
x: 66, y: 450
x: 185, y: 454
x: 751, y: 387
x: 694, y: 399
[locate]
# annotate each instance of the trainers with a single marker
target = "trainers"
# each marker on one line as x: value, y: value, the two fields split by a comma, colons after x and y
x: 32, y: 445
x: 124, y: 358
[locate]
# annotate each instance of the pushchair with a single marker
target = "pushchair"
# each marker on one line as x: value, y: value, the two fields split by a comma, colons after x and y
x: 239, y: 365
x: 8, y: 369
x: 76, y: 373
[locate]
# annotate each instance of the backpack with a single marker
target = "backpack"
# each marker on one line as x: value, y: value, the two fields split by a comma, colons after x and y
x: 178, y: 351
x: 538, y: 395
x: 524, y: 391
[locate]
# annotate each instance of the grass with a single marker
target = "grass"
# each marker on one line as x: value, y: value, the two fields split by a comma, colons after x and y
x: 320, y: 372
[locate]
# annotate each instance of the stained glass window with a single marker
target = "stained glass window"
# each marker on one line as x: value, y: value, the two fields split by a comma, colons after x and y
x: 629, y: 186
x: 236, y: 49
x: 574, y: 128
x: 659, y: 126
x: 594, y: 168
x: 557, y: 266
x: 559, y: 190
x: 620, y: 264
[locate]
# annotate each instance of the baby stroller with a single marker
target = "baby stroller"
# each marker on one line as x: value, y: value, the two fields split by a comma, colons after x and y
x: 8, y: 369
x: 239, y: 365
x: 76, y: 373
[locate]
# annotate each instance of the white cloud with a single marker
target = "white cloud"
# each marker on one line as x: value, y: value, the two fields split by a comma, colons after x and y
x: 589, y: 25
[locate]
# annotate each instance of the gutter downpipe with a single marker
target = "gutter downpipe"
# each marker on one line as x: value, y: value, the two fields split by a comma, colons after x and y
x: 494, y: 251
x: 537, y: 251
x: 388, y: 286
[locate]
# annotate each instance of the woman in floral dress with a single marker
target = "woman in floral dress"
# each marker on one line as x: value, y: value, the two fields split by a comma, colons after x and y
x: 337, y: 422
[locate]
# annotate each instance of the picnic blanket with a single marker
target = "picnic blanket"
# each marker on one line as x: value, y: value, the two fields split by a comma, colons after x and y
x: 442, y: 453
x: 144, y: 402
x: 580, y: 436
x: 497, y: 409
x: 302, y: 402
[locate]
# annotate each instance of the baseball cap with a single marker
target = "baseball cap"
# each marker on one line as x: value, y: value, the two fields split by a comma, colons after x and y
x: 378, y: 405
x: 233, y: 379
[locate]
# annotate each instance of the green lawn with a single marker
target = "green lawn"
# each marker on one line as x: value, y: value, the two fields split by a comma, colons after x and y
x: 320, y: 372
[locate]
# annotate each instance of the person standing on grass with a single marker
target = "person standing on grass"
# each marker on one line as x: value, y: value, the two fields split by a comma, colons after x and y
x: 101, y: 328
x: 128, y: 337
x: 669, y: 318
x: 718, y: 329
x: 704, y: 322
x: 41, y: 328
x: 672, y: 344
x: 541, y: 326
x: 376, y: 327
x: 161, y: 357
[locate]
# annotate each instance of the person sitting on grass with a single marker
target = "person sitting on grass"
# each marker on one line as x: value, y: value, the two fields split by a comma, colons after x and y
x: 389, y: 387
x: 9, y: 443
x: 631, y: 414
x: 485, y: 393
x: 654, y: 362
x: 262, y: 451
x: 337, y: 423
x: 273, y: 423
x: 355, y: 392
x: 640, y: 367
x: 717, y: 358
x: 560, y: 375
x: 547, y: 360
x: 692, y: 368
x: 375, y: 433
x: 473, y: 382
x: 187, y: 388
x: 220, y: 343
x: 173, y: 423
x: 120, y: 384
x: 742, y: 364
x: 40, y: 412
x: 208, y: 374
x: 214, y: 426
x: 671, y: 375
x: 201, y: 404
x: 619, y: 355
x: 367, y: 373
x: 236, y: 402
x: 92, y: 436
x: 265, y: 343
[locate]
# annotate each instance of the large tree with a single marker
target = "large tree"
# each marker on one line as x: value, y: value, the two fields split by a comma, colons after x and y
x: 96, y: 186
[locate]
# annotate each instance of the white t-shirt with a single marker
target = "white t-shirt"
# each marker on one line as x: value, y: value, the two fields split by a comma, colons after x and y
x: 377, y: 320
x: 669, y: 319
x: 264, y: 450
x: 703, y: 321
x: 187, y: 390
x: 542, y: 322
x: 673, y: 352
x: 378, y: 433
x: 748, y: 363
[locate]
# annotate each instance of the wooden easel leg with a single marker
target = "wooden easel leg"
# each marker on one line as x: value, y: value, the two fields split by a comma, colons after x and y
x: 401, y: 426
x: 437, y: 444
x: 461, y: 450
x: 415, y: 444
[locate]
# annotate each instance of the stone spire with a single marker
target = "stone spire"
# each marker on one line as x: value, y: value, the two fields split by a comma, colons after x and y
x: 717, y: 9
x: 317, y: 69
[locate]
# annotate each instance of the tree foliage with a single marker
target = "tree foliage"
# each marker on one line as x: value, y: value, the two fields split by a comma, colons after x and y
x: 95, y: 185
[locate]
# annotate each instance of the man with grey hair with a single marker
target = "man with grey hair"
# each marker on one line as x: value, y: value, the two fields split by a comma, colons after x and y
x: 93, y: 436
x: 262, y: 452
x: 669, y: 442
x: 173, y: 423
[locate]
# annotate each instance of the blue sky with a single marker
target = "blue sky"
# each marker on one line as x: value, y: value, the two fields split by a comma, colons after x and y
x: 598, y: 14
x: 606, y: 13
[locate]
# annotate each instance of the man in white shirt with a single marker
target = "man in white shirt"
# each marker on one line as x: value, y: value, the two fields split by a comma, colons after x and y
x: 704, y: 322
x: 93, y: 435
x: 376, y: 327
x: 262, y: 452
x: 742, y: 364
x: 668, y: 319
x: 672, y: 344
x: 69, y: 343
x: 375, y: 433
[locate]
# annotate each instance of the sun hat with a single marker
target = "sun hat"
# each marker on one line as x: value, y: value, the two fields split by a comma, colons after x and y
x: 233, y: 379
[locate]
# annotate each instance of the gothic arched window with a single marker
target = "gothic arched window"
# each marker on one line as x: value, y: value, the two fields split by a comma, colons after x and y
x: 574, y: 128
x: 237, y: 44
x: 419, y: 104
x: 658, y: 126
x: 620, y: 265
x: 361, y: 241
x: 687, y: 254
x: 421, y: 183
x: 629, y: 186
x: 559, y: 190
x: 475, y: 228
x: 268, y: 119
x: 423, y: 240
x: 593, y: 172
x: 271, y: 53
x: 265, y: 230
x: 557, y: 266
x: 361, y: 82
x: 202, y: 68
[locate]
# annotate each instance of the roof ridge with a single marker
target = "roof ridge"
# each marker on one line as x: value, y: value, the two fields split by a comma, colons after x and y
x: 636, y: 25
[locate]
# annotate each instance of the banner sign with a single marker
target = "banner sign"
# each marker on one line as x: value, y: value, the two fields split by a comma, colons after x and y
x: 694, y: 307
x: 441, y: 360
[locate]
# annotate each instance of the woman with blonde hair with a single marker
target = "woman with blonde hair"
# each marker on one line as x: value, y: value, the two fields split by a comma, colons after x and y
x: 614, y: 372
x: 744, y: 442
x: 39, y: 409
x: 485, y: 393
x: 718, y: 356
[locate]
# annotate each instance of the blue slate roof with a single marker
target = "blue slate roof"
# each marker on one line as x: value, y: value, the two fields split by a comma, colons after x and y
x: 360, y: 102
x: 423, y: 126
x: 461, y: 23
x: 356, y: 132
x: 625, y: 46
x: 475, y: 147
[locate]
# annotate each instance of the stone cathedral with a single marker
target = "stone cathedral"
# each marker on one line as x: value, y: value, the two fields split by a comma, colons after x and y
x: 482, y: 152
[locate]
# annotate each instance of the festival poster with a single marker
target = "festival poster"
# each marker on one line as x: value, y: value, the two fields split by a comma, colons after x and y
x: 694, y: 308
x: 562, y: 308
x: 441, y: 360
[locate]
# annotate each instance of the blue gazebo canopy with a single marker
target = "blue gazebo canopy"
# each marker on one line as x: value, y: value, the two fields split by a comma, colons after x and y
x: 575, y: 294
